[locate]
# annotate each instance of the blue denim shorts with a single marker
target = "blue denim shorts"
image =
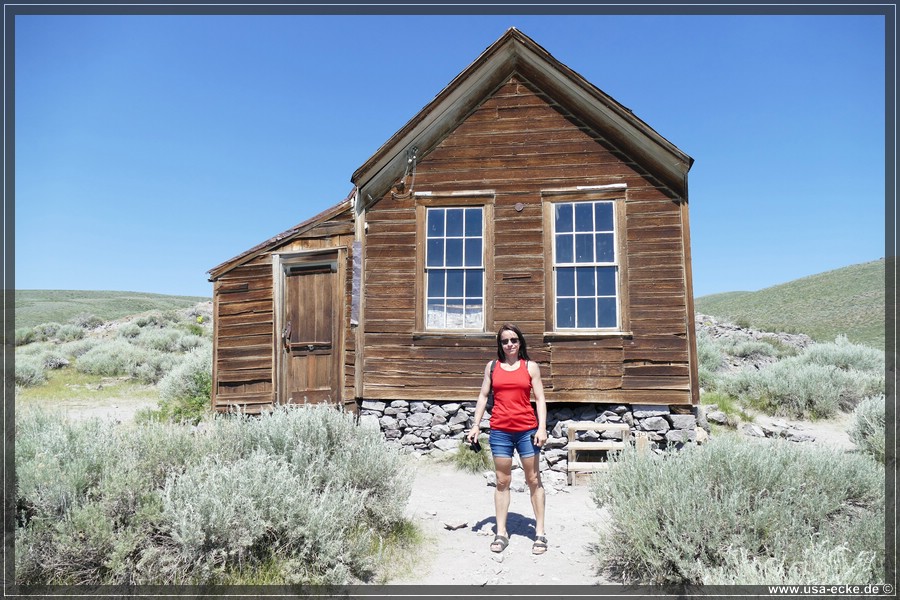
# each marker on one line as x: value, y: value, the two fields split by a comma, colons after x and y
x: 503, y: 442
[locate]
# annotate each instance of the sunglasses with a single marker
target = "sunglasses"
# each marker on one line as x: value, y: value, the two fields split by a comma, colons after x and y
x: 509, y: 341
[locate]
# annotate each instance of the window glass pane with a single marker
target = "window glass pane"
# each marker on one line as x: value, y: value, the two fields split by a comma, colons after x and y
x: 585, y: 281
x: 584, y: 216
x: 455, y: 314
x: 454, y: 296
x: 604, y: 215
x: 587, y: 316
x: 474, y: 284
x: 435, y: 253
x: 565, y: 312
x: 435, y: 314
x: 474, y: 314
x: 565, y: 281
x: 606, y: 281
x: 606, y: 309
x: 473, y: 222
x: 584, y: 247
x: 584, y: 235
x: 454, y: 252
x: 436, y: 283
x: 454, y: 222
x: 564, y: 253
x: 605, y: 249
x: 435, y: 222
x: 473, y: 252
x: 564, y: 218
x: 455, y: 284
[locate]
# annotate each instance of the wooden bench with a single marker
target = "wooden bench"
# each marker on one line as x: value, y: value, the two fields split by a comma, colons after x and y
x: 576, y: 466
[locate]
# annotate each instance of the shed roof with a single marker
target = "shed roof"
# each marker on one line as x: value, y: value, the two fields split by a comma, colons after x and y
x: 282, y: 238
x: 515, y: 52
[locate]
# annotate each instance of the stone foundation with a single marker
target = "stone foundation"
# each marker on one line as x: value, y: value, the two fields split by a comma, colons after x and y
x: 423, y: 427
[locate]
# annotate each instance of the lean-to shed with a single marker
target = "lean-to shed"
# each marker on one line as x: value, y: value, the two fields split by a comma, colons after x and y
x: 522, y: 193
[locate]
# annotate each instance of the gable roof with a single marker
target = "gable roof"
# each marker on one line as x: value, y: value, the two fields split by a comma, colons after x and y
x: 515, y: 52
x: 282, y: 238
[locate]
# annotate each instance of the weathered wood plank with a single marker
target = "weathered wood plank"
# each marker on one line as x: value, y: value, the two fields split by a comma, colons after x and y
x: 259, y: 270
x: 653, y: 220
x: 656, y: 382
x: 581, y: 351
x: 244, y: 351
x: 250, y: 341
x: 657, y: 397
x: 389, y: 251
x: 561, y: 382
x: 635, y: 207
x: 244, y: 363
x: 225, y: 323
x: 383, y: 321
x: 651, y: 246
x: 652, y: 370
x: 237, y: 308
x: 515, y: 149
x: 604, y: 369
x: 231, y: 375
x: 261, y: 293
x: 653, y: 234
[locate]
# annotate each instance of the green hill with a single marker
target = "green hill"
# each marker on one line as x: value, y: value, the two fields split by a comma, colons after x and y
x: 34, y: 307
x: 849, y: 301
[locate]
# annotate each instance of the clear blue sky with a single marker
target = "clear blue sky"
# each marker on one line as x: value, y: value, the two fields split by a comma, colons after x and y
x: 150, y: 149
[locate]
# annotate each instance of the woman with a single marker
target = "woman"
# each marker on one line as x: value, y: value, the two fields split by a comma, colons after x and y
x: 514, y: 425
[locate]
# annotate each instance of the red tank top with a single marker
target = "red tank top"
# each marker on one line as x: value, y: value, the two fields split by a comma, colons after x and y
x: 512, y: 399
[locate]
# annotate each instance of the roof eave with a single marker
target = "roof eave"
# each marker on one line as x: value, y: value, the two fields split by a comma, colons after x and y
x: 281, y: 239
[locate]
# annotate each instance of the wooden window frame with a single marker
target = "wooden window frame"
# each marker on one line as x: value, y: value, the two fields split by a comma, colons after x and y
x: 476, y: 199
x: 617, y: 194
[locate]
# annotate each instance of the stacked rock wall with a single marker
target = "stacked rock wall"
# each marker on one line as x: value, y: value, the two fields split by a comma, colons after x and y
x: 422, y: 426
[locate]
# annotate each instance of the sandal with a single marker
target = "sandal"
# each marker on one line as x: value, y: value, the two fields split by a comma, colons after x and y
x: 540, y: 545
x: 501, y: 541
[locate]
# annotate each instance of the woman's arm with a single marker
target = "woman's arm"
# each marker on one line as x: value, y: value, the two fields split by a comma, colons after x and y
x: 538, y: 388
x: 481, y: 405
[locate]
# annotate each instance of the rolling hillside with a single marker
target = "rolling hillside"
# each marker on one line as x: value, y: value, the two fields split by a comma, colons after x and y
x: 34, y: 307
x: 849, y: 301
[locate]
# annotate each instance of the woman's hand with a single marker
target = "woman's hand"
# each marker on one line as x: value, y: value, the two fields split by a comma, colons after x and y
x: 473, y: 434
x: 540, y: 438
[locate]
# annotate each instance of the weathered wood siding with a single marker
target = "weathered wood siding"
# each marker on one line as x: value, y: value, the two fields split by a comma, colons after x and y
x: 245, y: 339
x: 519, y: 144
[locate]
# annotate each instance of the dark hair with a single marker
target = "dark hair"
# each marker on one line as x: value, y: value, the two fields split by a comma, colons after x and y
x: 523, y: 347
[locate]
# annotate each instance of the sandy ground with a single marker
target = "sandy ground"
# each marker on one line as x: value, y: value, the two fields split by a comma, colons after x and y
x: 456, y: 511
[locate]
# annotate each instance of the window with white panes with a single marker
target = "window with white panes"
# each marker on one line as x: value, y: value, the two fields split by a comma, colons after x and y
x: 585, y: 265
x: 454, y: 268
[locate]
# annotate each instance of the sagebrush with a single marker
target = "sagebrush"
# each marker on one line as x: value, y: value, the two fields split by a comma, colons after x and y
x: 867, y: 429
x: 303, y: 495
x: 694, y: 515
x: 816, y: 382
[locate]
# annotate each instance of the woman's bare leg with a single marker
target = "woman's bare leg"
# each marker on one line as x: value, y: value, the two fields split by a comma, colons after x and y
x: 503, y: 470
x: 531, y: 466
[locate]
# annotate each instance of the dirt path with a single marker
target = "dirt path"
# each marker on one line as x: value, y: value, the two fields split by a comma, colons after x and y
x: 442, y: 496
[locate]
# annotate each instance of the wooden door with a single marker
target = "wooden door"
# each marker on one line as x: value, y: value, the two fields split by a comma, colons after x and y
x: 311, y: 333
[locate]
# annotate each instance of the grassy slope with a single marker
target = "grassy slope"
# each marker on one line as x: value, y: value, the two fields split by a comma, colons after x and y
x: 848, y: 301
x: 34, y: 307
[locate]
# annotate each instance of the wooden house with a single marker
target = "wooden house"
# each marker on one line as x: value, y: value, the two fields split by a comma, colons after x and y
x: 522, y: 193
